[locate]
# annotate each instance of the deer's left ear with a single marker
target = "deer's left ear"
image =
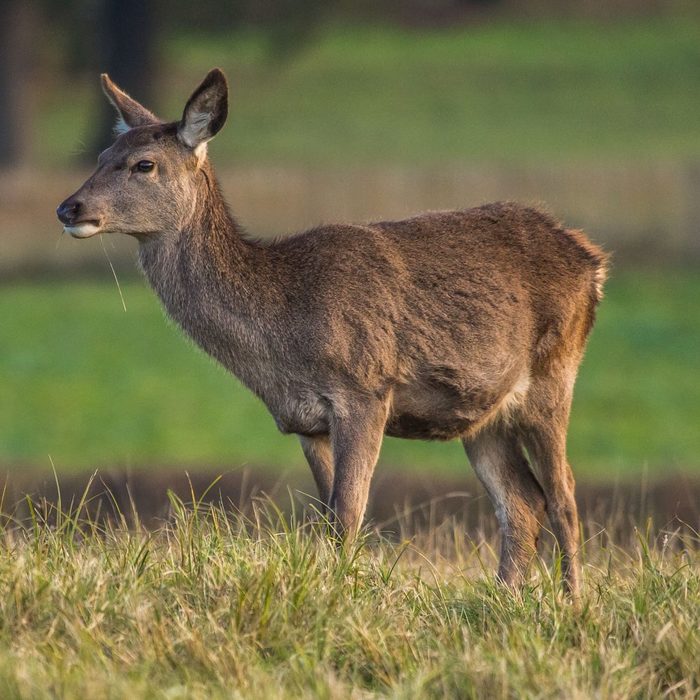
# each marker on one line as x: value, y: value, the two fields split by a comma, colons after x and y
x: 205, y: 111
x: 130, y: 112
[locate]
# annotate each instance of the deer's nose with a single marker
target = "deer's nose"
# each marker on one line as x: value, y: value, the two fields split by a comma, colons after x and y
x: 69, y: 211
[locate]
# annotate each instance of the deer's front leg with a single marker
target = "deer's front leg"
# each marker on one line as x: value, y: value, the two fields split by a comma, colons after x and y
x: 356, y: 438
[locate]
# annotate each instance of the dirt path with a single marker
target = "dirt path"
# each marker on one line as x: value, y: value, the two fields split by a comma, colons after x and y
x: 396, y: 496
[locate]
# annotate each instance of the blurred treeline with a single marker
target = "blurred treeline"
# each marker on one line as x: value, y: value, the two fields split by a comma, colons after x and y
x: 43, y: 41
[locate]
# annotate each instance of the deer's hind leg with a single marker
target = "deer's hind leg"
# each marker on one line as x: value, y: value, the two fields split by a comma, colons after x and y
x: 500, y: 463
x: 544, y: 423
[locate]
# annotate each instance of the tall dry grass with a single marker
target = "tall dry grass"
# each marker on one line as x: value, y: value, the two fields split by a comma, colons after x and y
x: 217, y: 604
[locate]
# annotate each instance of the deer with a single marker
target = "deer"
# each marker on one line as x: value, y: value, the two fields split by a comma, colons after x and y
x: 467, y: 324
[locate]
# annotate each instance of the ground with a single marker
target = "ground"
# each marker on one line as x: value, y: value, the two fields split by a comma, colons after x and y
x: 214, y: 605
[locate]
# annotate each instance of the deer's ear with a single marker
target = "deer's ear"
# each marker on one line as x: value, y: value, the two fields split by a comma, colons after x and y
x: 205, y: 111
x: 129, y: 112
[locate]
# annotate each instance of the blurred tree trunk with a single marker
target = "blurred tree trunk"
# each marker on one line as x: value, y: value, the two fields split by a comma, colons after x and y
x: 127, y: 47
x: 15, y: 67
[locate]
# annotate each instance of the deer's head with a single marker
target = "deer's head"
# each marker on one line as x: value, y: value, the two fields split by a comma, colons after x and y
x: 146, y: 181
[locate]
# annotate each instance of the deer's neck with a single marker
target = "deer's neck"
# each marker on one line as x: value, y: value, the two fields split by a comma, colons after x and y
x: 217, y: 286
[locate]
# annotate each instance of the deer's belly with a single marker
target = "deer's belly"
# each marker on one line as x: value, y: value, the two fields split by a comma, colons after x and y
x: 422, y: 411
x: 437, y: 411
x: 439, y: 427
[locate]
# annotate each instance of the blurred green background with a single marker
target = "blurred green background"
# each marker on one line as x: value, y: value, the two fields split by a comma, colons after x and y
x: 356, y: 111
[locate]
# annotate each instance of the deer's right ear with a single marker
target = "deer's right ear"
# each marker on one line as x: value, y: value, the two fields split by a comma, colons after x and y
x: 205, y: 111
x: 129, y: 112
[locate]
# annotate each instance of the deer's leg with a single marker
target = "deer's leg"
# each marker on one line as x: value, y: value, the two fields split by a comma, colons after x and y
x: 356, y: 438
x: 500, y: 464
x: 544, y: 436
x: 319, y: 455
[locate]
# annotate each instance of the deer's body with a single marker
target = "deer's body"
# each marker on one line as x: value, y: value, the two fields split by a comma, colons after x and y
x: 463, y: 324
x: 444, y: 313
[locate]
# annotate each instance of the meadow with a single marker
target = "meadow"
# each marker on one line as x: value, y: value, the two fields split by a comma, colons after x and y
x: 91, y: 386
x: 498, y: 91
x: 217, y: 605
x: 88, y: 385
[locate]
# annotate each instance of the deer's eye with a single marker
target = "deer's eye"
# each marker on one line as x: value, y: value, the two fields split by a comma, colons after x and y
x: 144, y: 166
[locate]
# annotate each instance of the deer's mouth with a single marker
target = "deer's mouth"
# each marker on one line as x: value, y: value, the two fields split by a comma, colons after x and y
x: 83, y: 229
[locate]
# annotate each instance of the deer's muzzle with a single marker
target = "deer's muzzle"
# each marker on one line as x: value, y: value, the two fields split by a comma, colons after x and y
x: 71, y: 213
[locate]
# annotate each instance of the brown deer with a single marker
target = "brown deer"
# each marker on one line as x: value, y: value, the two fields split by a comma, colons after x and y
x: 466, y: 324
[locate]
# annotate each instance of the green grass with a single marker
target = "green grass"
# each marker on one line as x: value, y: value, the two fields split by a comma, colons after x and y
x: 546, y: 91
x: 210, y: 606
x: 93, y: 386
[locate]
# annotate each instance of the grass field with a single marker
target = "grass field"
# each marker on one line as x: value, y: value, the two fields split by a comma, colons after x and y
x: 214, y: 607
x: 92, y: 386
x: 536, y: 91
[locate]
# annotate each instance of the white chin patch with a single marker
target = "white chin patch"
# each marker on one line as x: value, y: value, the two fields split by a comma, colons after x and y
x: 82, y: 230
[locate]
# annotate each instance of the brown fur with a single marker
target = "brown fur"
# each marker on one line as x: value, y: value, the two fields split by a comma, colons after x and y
x: 462, y: 324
